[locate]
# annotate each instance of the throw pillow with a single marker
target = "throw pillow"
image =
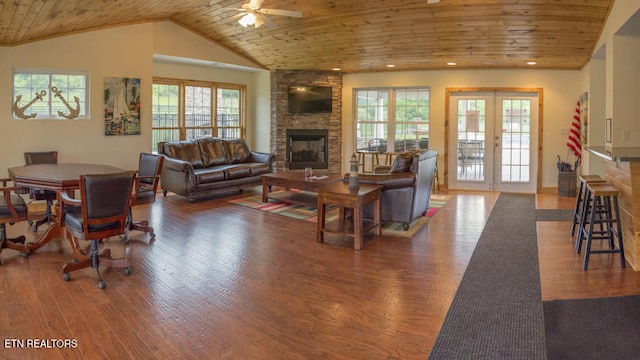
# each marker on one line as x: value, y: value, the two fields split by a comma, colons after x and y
x: 237, y: 151
x: 402, y: 162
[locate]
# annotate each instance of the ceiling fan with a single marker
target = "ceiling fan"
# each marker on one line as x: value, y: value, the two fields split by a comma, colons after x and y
x: 252, y: 13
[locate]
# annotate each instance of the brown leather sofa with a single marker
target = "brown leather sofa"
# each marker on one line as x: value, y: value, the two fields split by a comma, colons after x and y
x: 407, y: 186
x: 208, y: 166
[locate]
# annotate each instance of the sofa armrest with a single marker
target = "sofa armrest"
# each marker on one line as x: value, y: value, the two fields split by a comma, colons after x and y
x: 261, y: 157
x: 389, y: 181
x: 382, y: 169
x: 172, y: 164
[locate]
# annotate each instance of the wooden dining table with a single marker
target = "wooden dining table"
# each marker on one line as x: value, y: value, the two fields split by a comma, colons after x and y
x: 57, y: 177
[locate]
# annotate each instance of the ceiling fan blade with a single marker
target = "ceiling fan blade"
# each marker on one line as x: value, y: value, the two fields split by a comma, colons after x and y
x: 295, y: 14
x: 266, y: 21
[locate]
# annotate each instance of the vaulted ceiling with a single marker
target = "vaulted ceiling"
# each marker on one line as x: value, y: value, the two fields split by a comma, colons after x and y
x: 353, y: 35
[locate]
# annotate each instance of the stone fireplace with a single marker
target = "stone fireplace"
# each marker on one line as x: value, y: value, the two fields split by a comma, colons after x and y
x: 317, y: 136
x: 307, y: 148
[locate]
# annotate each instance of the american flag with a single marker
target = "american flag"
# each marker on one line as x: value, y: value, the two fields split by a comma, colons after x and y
x: 574, y: 142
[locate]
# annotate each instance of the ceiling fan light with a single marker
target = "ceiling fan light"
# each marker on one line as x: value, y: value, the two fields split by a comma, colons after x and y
x: 247, y: 19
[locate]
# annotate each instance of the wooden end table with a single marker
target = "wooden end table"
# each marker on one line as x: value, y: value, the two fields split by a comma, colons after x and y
x: 339, y: 194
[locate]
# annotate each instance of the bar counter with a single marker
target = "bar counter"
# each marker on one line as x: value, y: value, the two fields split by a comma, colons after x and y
x: 622, y: 170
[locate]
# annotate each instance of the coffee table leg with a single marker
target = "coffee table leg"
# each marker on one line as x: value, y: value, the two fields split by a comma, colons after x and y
x: 321, y: 219
x: 377, y: 216
x: 265, y: 190
x: 357, y: 227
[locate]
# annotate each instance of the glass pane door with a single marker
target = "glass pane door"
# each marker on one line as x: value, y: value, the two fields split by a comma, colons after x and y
x: 492, y: 146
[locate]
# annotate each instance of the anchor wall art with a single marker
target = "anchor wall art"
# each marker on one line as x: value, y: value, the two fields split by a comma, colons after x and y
x: 49, y: 95
x: 121, y: 106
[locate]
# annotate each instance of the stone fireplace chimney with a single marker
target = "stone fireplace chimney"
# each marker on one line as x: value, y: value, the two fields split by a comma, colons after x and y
x: 282, y: 120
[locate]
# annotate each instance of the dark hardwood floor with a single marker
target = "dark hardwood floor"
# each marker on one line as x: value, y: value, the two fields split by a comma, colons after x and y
x: 222, y: 281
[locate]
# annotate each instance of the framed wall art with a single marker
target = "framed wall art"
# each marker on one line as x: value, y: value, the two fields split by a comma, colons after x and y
x: 121, y: 106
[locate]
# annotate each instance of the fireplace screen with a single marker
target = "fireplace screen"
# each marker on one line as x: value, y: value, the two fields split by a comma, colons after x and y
x: 307, y: 148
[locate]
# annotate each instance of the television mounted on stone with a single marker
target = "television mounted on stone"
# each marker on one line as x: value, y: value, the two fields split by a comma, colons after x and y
x: 309, y: 99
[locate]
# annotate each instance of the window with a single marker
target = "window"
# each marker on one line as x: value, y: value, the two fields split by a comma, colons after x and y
x: 48, y: 94
x: 184, y: 110
x: 405, y: 127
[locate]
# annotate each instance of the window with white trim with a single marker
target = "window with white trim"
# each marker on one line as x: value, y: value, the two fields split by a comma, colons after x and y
x: 392, y: 120
x: 50, y: 94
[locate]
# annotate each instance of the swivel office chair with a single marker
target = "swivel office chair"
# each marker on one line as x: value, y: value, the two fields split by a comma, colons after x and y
x: 12, y: 210
x: 149, y: 168
x: 42, y: 157
x: 100, y: 213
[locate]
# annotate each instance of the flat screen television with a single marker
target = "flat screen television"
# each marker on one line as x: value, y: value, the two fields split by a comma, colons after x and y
x: 309, y: 99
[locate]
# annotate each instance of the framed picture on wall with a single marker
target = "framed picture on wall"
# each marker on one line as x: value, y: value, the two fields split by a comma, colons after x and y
x: 121, y: 106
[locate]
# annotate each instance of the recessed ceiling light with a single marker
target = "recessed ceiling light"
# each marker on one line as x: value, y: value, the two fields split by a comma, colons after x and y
x: 531, y: 62
x: 391, y: 66
x: 451, y: 63
x: 336, y: 69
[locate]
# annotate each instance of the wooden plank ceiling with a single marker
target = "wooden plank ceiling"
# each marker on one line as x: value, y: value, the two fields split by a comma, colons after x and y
x: 353, y: 35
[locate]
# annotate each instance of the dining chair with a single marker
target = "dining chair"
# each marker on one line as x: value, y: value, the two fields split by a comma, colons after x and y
x: 149, y: 169
x: 100, y: 213
x: 12, y: 210
x: 42, y: 157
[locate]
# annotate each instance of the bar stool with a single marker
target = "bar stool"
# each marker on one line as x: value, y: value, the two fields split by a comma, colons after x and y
x: 582, y: 190
x: 606, y: 214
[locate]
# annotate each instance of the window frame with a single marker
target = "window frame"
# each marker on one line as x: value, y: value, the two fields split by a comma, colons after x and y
x: 389, y: 118
x: 85, y: 109
x: 213, y: 127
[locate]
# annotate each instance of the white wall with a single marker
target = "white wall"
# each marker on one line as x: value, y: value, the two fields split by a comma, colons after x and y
x: 561, y: 90
x: 619, y: 60
x: 117, y: 52
x: 126, y: 51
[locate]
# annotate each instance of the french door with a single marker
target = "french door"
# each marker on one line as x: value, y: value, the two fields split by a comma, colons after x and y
x: 493, y: 141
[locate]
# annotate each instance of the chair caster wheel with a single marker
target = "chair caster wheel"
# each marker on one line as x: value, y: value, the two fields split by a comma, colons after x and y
x: 25, y: 255
x: 30, y: 222
x: 74, y: 260
x: 126, y: 239
x: 127, y: 271
x: 67, y: 277
x: 101, y: 284
x: 34, y: 229
x: 152, y: 236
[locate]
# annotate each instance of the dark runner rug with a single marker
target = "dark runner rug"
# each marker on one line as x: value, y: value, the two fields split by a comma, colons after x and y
x: 497, y: 311
x: 605, y: 328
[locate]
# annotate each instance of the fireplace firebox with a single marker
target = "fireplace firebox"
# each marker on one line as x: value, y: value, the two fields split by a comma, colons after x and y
x: 308, y: 148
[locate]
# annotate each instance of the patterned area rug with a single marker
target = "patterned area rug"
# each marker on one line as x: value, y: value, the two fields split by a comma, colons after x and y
x: 310, y: 214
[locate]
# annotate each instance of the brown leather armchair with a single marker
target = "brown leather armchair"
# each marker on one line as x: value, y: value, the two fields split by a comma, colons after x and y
x: 407, y: 186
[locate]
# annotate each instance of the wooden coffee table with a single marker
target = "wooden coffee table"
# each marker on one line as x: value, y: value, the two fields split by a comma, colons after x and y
x: 294, y: 179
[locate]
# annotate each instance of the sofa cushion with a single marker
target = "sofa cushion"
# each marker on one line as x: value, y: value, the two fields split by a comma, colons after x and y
x: 238, y: 171
x: 237, y: 151
x: 402, y: 162
x: 259, y: 168
x: 186, y: 151
x: 212, y: 150
x: 205, y: 176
